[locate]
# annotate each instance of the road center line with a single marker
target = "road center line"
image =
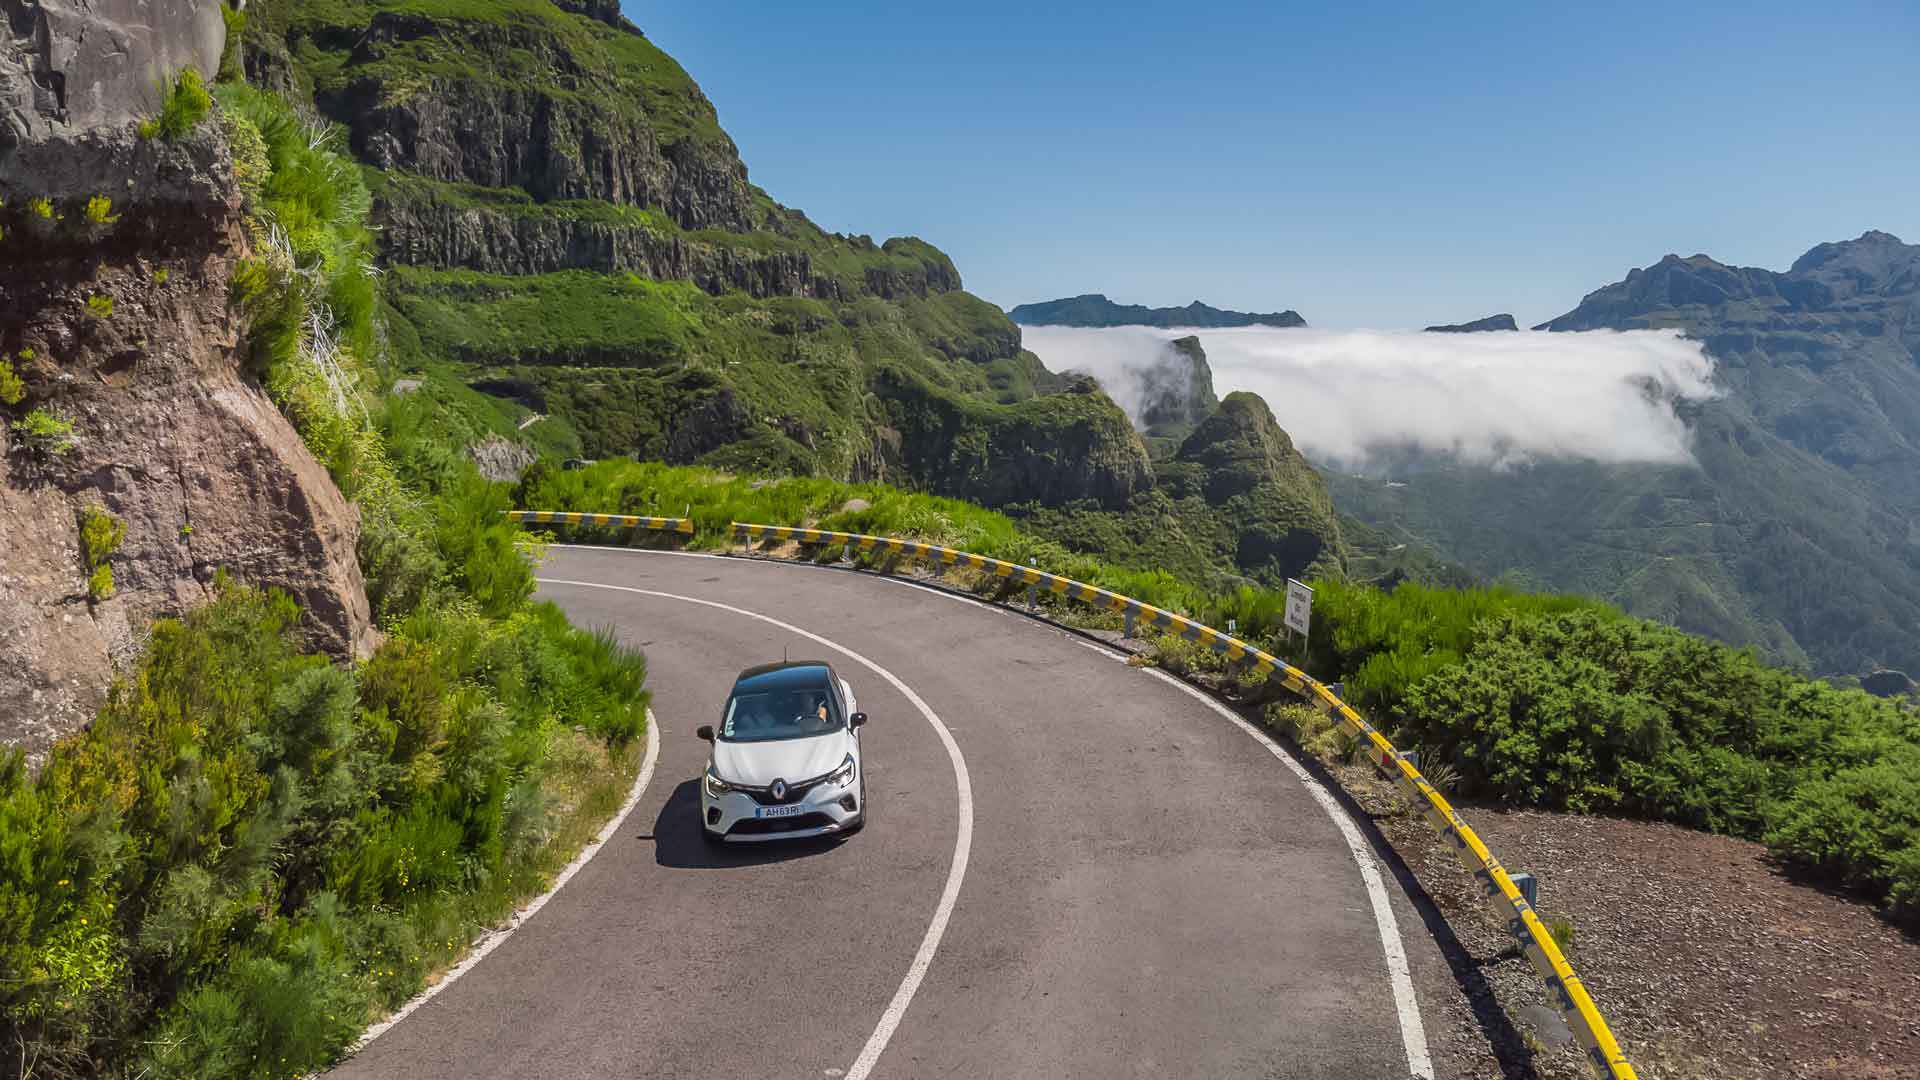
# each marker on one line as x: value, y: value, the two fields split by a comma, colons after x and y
x: 963, y: 839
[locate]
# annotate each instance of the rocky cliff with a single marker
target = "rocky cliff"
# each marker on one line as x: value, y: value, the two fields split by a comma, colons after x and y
x: 1076, y: 446
x: 1094, y: 309
x: 1176, y: 394
x: 132, y: 411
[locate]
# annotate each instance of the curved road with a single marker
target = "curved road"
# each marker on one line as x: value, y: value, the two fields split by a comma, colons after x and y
x: 1147, y: 891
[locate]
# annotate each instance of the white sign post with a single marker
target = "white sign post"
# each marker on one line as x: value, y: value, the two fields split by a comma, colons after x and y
x: 1299, y: 614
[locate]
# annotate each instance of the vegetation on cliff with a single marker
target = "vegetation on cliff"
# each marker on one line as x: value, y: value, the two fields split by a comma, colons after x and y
x: 252, y: 851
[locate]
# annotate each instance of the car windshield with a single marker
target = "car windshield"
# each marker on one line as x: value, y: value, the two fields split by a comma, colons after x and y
x: 762, y: 716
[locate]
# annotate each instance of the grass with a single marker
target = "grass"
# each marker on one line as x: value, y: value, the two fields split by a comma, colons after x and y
x: 13, y: 389
x: 184, y: 103
x: 45, y: 433
x: 100, y: 536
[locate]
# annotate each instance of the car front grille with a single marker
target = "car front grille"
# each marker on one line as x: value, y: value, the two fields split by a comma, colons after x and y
x: 765, y: 826
x: 795, y: 793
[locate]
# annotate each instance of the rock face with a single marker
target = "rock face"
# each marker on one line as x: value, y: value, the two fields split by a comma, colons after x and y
x: 1491, y: 322
x: 125, y: 329
x: 1887, y: 684
x: 1094, y: 309
x: 491, y: 115
x: 425, y: 228
x: 73, y: 66
x: 1177, y: 393
x: 1073, y: 446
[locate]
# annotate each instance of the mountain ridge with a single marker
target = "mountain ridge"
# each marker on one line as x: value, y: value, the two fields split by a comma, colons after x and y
x: 1095, y: 310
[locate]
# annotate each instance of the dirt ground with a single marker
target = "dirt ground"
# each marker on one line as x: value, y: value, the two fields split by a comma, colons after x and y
x: 1705, y: 957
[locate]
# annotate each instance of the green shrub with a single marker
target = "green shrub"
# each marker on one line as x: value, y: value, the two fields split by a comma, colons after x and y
x: 100, y: 306
x: 41, y: 208
x: 100, y: 583
x: 243, y: 855
x: 12, y: 388
x: 100, y: 211
x: 184, y: 104
x: 101, y: 534
x: 44, y: 433
x: 232, y: 68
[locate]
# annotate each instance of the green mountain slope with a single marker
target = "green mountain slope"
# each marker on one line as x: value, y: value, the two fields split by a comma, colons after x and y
x: 578, y: 261
x: 1797, y: 531
x: 571, y: 233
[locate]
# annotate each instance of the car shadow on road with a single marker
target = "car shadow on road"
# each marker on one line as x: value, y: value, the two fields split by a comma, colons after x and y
x: 677, y: 841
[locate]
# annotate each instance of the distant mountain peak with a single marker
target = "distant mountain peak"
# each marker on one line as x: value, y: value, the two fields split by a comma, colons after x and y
x: 1491, y: 322
x: 1829, y: 276
x: 1095, y: 310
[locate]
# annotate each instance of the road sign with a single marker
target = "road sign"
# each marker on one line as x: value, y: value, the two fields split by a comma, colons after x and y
x: 1299, y: 607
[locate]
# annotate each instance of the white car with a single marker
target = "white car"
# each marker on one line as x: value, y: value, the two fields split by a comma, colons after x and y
x: 786, y: 758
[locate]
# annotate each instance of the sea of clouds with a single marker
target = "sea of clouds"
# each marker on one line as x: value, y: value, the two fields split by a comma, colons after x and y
x: 1353, y: 398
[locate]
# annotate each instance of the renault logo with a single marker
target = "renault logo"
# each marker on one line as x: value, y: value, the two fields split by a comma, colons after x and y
x: 779, y: 790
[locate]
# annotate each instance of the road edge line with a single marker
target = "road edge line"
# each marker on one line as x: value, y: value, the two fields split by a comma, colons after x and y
x: 492, y: 939
x: 1413, y: 1033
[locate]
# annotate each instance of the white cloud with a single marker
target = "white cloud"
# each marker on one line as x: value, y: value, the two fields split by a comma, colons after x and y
x: 1348, y: 396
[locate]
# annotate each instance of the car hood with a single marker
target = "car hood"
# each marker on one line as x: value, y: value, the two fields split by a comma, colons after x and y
x: 758, y: 764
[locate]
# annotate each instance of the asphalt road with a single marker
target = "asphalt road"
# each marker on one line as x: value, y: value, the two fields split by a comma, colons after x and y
x: 1148, y: 892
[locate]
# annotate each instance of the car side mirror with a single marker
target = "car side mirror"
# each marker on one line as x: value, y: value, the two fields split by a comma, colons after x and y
x: 858, y: 719
x: 705, y: 731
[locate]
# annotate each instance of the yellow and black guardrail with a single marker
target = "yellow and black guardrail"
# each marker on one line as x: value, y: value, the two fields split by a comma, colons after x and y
x: 564, y: 517
x: 1509, y: 907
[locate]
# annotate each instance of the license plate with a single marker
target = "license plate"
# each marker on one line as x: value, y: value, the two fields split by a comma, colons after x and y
x: 779, y: 811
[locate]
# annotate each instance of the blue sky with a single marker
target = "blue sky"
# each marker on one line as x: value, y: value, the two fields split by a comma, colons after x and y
x: 1367, y: 164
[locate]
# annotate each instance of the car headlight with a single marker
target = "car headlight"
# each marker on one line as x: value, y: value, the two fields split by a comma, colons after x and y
x: 843, y: 775
x: 716, y: 787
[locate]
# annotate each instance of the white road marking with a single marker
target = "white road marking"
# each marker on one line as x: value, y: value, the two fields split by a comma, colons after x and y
x: 494, y: 939
x: 1412, y: 1033
x: 962, y: 844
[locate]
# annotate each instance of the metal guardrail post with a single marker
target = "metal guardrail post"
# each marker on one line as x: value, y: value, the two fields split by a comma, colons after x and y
x: 1528, y: 885
x: 1033, y: 598
x: 1133, y: 619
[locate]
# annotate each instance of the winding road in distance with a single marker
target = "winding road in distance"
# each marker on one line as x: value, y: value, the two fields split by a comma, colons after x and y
x: 1139, y: 888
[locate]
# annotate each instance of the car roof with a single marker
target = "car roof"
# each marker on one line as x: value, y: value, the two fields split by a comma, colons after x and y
x: 789, y: 675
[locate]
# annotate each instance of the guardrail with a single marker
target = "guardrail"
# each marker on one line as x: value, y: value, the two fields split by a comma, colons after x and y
x: 1504, y: 898
x: 566, y: 517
